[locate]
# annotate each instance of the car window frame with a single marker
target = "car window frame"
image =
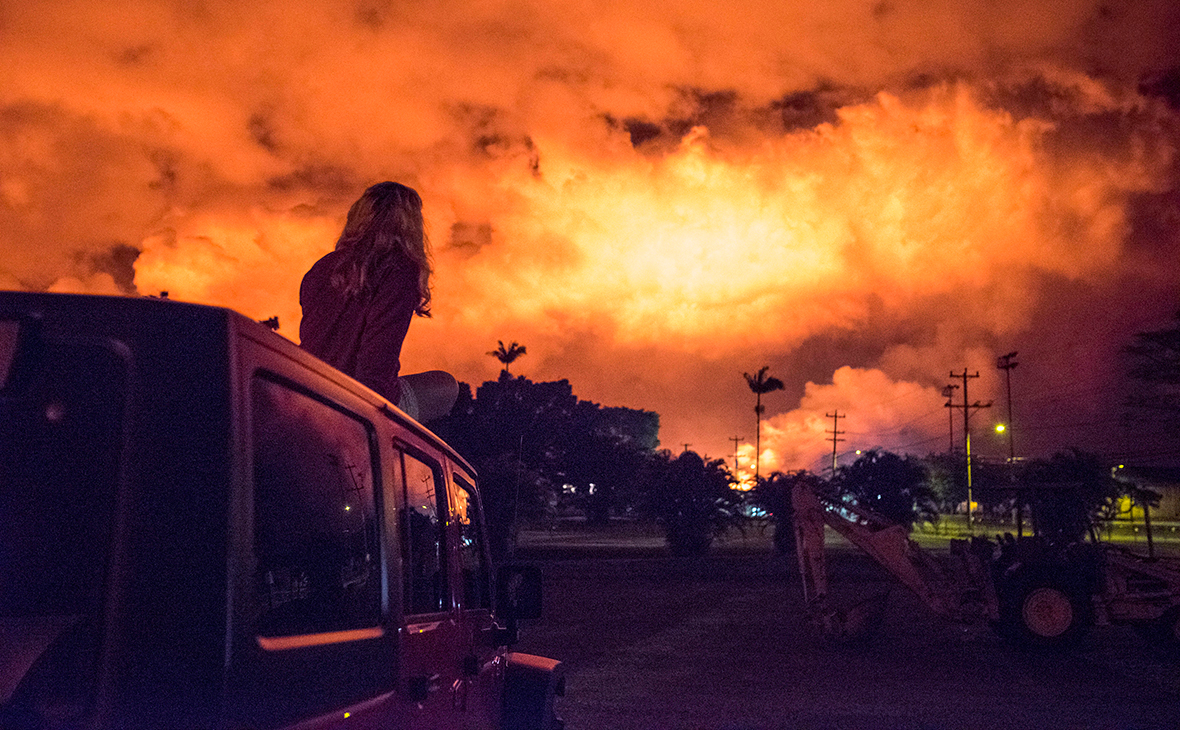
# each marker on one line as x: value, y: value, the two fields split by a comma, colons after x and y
x: 461, y: 482
x: 435, y: 463
x: 320, y: 638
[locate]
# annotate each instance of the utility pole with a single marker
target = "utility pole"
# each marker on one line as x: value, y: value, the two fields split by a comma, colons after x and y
x: 836, y: 432
x: 1007, y: 363
x: 967, y: 408
x: 948, y: 392
x: 735, y: 440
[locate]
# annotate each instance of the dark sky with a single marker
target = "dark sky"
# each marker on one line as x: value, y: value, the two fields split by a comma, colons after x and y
x: 864, y: 196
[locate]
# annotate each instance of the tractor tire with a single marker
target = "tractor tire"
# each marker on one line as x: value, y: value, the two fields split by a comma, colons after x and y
x: 1040, y: 611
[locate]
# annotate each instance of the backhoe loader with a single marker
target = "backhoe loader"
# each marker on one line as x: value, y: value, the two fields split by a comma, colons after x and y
x: 1030, y: 591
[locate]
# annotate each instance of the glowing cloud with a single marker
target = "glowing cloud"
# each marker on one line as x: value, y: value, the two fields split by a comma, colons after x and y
x: 872, y: 410
x: 652, y: 197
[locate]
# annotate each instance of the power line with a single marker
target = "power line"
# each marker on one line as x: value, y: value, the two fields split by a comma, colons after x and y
x: 1048, y: 396
x: 1068, y: 425
x: 898, y: 428
x: 903, y: 447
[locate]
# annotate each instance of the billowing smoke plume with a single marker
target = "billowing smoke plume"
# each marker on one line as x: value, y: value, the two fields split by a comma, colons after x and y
x: 866, y: 197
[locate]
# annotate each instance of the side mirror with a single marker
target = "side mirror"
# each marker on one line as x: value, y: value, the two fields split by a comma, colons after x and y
x: 518, y: 592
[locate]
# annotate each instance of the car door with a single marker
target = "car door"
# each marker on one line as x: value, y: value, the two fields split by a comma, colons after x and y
x: 433, y: 645
x: 483, y: 663
x: 312, y: 646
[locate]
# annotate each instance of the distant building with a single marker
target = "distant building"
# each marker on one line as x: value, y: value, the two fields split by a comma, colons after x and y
x: 1164, y: 481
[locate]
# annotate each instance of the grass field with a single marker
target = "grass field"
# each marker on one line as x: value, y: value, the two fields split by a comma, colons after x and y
x: 653, y: 642
x: 629, y: 536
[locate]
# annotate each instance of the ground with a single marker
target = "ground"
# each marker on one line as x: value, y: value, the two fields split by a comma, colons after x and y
x: 652, y: 642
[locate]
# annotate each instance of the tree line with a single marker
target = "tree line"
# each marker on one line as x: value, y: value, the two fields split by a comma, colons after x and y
x: 541, y: 451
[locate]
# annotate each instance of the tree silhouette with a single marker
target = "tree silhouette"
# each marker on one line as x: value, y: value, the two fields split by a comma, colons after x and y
x: 693, y: 501
x: 506, y: 355
x: 1069, y: 492
x: 760, y: 383
x: 527, y: 440
x: 774, y: 495
x: 895, y: 487
x: 1155, y: 367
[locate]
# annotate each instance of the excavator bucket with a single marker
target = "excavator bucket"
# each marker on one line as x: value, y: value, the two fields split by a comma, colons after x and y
x: 856, y: 623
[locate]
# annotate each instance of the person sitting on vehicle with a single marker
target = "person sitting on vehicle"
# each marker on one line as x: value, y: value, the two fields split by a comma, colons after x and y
x: 358, y: 300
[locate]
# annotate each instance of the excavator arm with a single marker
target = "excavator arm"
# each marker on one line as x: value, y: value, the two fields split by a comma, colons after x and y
x: 1031, y: 592
x: 958, y: 586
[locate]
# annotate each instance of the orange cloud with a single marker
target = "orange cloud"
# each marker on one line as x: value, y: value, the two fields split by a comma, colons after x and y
x: 652, y: 198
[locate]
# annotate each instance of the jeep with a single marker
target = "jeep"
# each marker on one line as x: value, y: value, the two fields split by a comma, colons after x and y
x: 203, y: 526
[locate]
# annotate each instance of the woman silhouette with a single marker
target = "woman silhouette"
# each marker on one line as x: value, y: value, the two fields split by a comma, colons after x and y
x: 358, y: 300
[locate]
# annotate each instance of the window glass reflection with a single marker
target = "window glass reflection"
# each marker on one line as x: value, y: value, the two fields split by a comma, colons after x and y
x: 315, y: 525
x: 423, y: 557
x: 472, y: 556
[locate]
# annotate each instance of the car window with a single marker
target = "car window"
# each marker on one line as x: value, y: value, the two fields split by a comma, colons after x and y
x: 61, y: 423
x: 62, y: 413
x: 421, y: 523
x: 315, y: 526
x: 472, y: 550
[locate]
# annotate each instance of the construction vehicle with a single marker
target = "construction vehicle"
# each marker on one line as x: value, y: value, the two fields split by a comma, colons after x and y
x: 1030, y: 591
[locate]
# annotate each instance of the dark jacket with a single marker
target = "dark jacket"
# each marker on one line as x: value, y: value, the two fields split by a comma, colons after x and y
x: 362, y: 335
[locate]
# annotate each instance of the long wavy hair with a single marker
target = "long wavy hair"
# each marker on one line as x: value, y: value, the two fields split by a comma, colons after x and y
x: 386, y: 221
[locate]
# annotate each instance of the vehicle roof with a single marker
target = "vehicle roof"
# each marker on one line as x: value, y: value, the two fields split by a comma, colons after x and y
x: 132, y: 308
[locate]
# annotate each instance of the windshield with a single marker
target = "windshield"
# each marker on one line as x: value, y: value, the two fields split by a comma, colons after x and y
x: 60, y: 424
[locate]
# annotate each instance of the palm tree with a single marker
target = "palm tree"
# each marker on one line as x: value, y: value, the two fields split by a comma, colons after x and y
x: 507, y: 354
x: 761, y: 383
